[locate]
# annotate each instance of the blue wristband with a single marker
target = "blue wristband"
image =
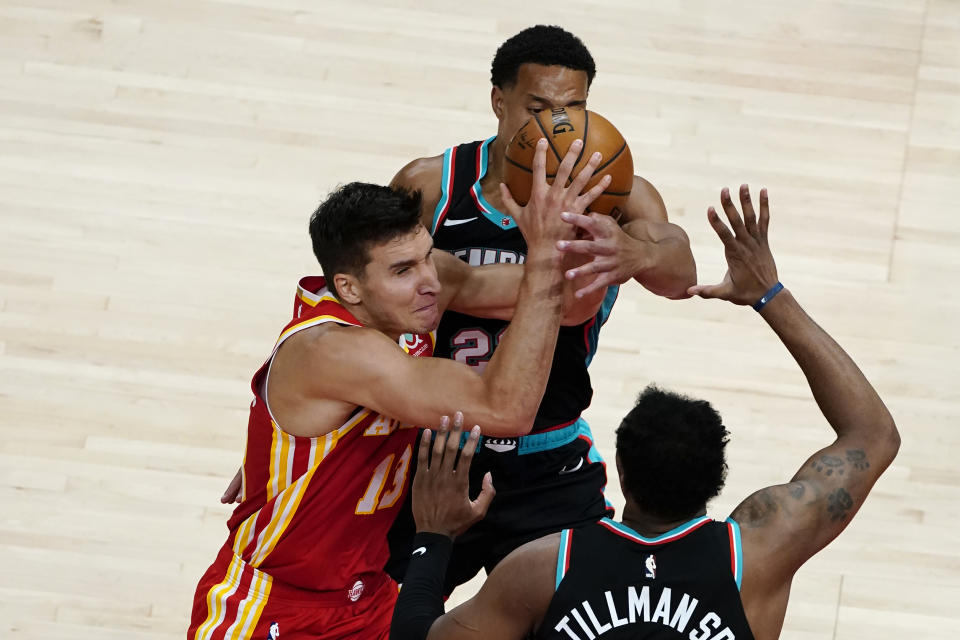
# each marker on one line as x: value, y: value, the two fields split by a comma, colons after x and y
x: 767, y: 297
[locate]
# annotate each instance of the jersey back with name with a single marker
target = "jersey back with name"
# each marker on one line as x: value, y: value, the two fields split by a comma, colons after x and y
x: 315, y: 511
x: 467, y: 226
x: 613, y: 583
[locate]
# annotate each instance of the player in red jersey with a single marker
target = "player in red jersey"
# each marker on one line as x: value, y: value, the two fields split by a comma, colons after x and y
x: 330, y: 433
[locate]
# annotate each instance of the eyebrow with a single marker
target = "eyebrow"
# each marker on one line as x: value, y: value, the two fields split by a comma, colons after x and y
x: 410, y: 263
x: 575, y: 103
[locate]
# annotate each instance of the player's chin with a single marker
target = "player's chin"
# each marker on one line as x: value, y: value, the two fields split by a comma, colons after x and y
x: 427, y: 318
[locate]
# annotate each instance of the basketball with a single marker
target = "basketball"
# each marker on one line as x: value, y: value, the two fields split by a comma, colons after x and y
x: 561, y: 127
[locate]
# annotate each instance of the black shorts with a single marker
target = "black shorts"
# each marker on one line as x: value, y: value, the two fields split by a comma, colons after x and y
x: 545, y: 482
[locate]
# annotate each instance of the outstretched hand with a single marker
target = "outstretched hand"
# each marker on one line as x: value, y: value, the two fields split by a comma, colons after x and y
x: 751, y: 270
x: 441, y: 487
x: 539, y: 220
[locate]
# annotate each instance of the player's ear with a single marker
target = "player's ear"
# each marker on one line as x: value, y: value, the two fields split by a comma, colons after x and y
x: 348, y: 288
x: 496, y: 101
x: 619, y: 469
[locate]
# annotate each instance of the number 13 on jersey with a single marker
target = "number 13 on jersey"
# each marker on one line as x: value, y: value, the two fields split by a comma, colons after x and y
x: 372, y: 500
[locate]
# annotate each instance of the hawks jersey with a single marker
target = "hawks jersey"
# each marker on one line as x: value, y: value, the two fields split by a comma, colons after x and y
x: 315, y: 511
x: 467, y: 226
x: 615, y: 583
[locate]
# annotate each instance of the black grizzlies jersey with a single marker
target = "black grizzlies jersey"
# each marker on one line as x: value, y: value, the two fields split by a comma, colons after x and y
x: 614, y: 583
x: 466, y: 225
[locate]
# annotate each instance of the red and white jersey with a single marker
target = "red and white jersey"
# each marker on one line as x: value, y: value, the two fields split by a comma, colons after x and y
x: 316, y: 511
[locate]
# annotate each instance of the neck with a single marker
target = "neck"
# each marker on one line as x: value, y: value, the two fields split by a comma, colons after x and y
x: 651, y: 526
x: 367, y: 321
x: 495, y: 155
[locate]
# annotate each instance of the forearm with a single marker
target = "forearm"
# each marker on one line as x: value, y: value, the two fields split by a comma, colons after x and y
x: 421, y: 598
x: 664, y: 263
x: 516, y: 376
x: 847, y: 399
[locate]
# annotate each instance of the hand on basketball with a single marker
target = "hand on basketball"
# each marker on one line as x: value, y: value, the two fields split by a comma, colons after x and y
x: 751, y: 270
x: 540, y: 220
x: 616, y: 255
x: 441, y: 487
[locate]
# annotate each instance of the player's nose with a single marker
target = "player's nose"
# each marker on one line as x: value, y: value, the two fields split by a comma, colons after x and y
x: 430, y: 281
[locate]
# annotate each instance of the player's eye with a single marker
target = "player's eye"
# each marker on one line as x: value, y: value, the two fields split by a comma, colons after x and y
x: 402, y: 270
x: 535, y: 110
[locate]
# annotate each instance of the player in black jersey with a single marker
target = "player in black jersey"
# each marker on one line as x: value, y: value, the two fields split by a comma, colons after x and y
x: 554, y: 477
x: 668, y: 571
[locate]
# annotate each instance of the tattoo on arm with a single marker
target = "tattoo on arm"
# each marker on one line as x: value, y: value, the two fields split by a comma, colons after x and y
x: 838, y: 504
x: 796, y: 489
x: 858, y: 459
x: 829, y: 465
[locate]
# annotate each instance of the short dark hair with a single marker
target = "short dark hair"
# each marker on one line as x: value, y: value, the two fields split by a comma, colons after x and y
x: 542, y: 44
x: 672, y: 453
x: 356, y: 217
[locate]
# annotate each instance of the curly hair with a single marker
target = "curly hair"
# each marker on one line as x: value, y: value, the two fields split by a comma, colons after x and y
x: 672, y: 453
x: 542, y: 44
x: 356, y: 217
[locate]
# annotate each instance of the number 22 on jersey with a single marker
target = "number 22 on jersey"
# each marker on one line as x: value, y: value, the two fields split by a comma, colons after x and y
x: 372, y: 499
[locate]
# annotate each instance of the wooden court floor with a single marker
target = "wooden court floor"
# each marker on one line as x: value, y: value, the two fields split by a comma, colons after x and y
x: 159, y: 160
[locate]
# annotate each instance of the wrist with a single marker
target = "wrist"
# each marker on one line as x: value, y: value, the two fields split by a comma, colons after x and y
x: 434, y: 535
x: 767, y: 297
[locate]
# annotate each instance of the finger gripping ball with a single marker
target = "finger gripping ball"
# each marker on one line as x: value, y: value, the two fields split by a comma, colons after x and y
x: 561, y: 126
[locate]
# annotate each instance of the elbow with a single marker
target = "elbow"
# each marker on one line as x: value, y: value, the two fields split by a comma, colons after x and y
x: 509, y: 422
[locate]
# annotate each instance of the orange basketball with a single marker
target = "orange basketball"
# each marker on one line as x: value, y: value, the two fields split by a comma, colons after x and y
x: 561, y: 127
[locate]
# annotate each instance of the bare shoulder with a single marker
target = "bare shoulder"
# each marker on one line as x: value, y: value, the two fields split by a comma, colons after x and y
x: 530, y: 566
x: 332, y: 342
x: 424, y: 175
x: 527, y: 577
x: 645, y: 203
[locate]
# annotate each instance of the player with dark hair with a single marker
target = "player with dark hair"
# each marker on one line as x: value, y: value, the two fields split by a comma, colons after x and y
x: 667, y: 570
x: 554, y: 477
x: 333, y: 422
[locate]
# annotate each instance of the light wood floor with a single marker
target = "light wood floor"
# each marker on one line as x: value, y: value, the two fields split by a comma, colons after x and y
x: 159, y: 160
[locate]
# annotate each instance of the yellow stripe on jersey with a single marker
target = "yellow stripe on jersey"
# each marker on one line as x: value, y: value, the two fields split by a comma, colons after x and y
x: 286, y: 504
x: 217, y: 600
x: 306, y: 324
x: 312, y: 299
x: 250, y: 608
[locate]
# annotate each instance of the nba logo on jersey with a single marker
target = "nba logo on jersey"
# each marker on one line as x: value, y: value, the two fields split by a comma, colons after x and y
x: 651, y: 564
x: 505, y: 221
x: 274, y: 631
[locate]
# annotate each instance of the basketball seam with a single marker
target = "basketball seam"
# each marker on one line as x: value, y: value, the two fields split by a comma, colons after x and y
x: 617, y: 193
x: 615, y: 156
x: 517, y: 164
x: 547, y: 136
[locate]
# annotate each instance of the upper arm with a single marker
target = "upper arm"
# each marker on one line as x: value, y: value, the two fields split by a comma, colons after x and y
x: 644, y: 203
x: 425, y: 175
x: 486, y: 291
x: 491, y: 291
x: 784, y: 525
x: 513, y: 600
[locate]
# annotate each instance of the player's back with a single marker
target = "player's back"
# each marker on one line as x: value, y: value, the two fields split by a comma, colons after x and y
x: 613, y: 582
x: 315, y: 512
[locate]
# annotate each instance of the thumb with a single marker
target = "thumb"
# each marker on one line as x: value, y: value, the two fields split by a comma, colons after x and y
x: 708, y: 291
x: 487, y: 492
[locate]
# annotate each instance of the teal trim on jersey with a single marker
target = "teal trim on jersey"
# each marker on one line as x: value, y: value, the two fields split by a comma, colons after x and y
x: 593, y: 335
x: 546, y: 440
x: 676, y: 532
x: 489, y: 211
x: 738, y: 551
x: 562, y: 557
x: 444, y: 190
